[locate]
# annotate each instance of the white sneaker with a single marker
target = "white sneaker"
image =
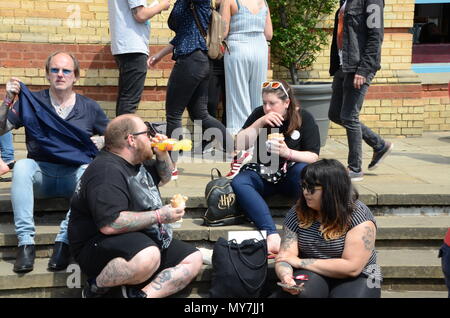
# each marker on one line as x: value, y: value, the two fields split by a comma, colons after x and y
x: 238, y: 161
x: 174, y: 174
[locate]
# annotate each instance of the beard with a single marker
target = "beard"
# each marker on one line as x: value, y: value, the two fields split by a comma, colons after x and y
x: 144, y: 151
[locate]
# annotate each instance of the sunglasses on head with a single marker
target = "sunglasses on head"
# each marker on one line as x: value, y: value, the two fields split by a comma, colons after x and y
x: 151, y: 132
x: 275, y: 85
x: 65, y: 71
x: 310, y: 188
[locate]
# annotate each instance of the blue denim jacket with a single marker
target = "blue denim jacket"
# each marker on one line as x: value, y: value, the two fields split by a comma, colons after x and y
x: 181, y: 20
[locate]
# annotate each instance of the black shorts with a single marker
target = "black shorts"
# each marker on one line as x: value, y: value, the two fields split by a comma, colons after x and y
x: 97, y: 253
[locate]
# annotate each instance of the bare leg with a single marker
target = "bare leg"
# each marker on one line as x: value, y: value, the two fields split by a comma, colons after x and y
x: 3, y: 167
x: 174, y: 279
x: 140, y: 268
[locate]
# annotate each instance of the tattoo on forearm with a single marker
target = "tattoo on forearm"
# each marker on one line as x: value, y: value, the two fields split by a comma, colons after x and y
x: 284, y: 269
x: 368, y: 238
x: 164, y: 169
x: 307, y: 261
x: 288, y: 239
x: 129, y: 221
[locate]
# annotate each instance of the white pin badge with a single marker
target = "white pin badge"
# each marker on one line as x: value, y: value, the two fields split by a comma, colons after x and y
x: 295, y: 135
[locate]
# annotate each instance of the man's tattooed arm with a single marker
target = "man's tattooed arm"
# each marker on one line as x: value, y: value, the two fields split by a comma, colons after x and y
x: 130, y: 222
x: 164, y: 169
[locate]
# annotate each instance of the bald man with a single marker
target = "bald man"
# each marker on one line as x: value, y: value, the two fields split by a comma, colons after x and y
x: 119, y: 230
x: 42, y: 174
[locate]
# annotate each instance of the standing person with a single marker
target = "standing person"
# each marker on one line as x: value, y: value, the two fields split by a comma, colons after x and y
x: 248, y: 28
x: 297, y: 144
x: 188, y: 82
x: 354, y: 60
x: 53, y: 166
x: 130, y: 36
x: 118, y: 228
x: 329, y: 237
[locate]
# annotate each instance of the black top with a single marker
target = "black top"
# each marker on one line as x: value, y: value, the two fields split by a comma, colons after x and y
x: 308, y: 137
x: 109, y: 186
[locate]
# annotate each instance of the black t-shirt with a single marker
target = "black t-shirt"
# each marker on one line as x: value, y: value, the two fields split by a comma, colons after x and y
x: 109, y: 186
x: 307, y: 138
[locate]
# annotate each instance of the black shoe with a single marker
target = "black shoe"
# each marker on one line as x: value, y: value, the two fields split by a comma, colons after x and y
x: 91, y: 290
x: 11, y: 164
x: 378, y: 156
x: 132, y: 292
x: 60, y: 258
x: 25, y: 259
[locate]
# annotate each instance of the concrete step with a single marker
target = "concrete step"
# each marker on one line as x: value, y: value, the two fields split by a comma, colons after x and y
x: 404, y: 264
x: 392, y: 230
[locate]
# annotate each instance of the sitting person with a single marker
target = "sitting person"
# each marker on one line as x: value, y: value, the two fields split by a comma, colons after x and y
x: 280, y: 161
x: 49, y: 170
x: 329, y: 237
x: 444, y: 253
x: 7, y: 161
x: 119, y: 230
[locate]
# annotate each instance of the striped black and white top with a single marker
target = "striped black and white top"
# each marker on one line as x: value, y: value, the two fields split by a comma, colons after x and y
x: 311, y: 243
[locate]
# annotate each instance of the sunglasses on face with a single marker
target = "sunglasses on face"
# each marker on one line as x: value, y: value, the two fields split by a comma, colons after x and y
x: 151, y: 132
x: 275, y: 85
x: 65, y: 71
x: 310, y: 188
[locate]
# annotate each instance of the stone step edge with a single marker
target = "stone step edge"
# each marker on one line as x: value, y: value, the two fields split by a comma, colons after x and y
x: 198, y: 202
x: 41, y: 277
x: 193, y: 230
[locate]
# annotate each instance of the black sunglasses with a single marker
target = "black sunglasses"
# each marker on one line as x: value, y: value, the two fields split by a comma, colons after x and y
x: 310, y: 188
x: 151, y: 132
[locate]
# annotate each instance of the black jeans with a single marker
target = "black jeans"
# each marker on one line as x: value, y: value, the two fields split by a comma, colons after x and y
x: 318, y: 286
x: 216, y: 89
x: 188, y: 88
x: 345, y: 106
x: 132, y: 73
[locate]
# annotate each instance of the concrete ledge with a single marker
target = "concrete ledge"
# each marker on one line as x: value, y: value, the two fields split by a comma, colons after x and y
x: 389, y: 228
x: 394, y: 264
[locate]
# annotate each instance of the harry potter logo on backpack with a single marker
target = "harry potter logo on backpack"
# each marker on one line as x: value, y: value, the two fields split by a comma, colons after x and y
x: 223, y: 208
x: 214, y: 37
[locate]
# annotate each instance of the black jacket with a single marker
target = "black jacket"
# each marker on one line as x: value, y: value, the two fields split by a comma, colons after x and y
x: 363, y: 36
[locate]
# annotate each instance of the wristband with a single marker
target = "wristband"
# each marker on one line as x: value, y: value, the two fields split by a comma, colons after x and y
x: 8, y: 101
x: 158, y: 216
x: 290, y: 155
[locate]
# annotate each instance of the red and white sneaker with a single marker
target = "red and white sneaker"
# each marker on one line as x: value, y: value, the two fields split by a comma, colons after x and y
x: 238, y: 161
x: 174, y: 174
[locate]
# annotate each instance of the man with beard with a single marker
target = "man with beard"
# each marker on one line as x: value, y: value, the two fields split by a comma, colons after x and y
x: 119, y: 230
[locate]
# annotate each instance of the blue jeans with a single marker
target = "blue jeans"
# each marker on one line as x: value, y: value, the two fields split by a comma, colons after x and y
x: 36, y: 179
x: 345, y: 106
x: 6, y: 147
x: 251, y: 191
x: 444, y: 253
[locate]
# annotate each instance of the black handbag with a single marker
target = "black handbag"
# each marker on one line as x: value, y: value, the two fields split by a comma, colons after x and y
x: 223, y: 208
x: 239, y: 270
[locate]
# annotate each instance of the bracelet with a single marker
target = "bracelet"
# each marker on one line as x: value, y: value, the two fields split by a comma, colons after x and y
x: 8, y: 101
x: 290, y: 155
x: 158, y: 216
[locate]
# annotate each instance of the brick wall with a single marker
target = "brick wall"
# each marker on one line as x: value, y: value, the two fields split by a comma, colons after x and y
x: 397, y: 103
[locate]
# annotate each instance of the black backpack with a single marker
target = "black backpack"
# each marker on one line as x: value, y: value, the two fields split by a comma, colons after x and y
x: 223, y: 208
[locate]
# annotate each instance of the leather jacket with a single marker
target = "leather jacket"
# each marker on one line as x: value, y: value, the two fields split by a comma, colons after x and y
x: 362, y: 37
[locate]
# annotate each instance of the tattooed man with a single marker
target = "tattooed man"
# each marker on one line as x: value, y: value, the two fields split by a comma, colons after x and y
x: 119, y: 230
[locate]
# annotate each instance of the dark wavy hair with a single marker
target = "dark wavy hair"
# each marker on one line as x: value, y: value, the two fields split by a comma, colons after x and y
x: 293, y: 111
x: 337, y: 202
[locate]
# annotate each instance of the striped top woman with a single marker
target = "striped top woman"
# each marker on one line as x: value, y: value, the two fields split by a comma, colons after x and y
x: 329, y: 238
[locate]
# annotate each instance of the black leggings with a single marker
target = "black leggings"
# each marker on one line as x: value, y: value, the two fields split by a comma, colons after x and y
x: 188, y: 88
x: 318, y: 286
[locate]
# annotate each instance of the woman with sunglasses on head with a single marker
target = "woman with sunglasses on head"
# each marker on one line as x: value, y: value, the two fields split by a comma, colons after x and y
x: 277, y: 163
x: 328, y: 242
